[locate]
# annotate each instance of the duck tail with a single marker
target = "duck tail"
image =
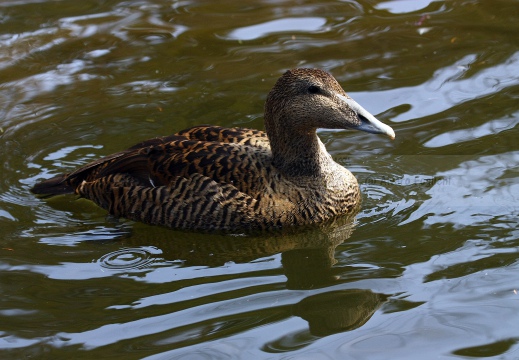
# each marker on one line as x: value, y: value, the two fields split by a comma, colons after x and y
x: 54, y: 186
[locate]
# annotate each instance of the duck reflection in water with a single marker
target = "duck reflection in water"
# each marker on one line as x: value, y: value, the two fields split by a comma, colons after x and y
x: 307, y: 256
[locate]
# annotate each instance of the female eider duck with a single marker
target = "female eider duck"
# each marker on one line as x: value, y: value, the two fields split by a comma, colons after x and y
x: 235, y: 179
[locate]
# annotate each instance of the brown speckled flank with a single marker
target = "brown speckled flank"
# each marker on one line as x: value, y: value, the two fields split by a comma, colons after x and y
x: 213, y: 178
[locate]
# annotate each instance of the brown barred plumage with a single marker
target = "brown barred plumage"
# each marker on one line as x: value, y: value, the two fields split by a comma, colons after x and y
x: 214, y: 178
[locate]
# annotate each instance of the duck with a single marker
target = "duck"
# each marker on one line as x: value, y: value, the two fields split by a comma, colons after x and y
x: 212, y: 178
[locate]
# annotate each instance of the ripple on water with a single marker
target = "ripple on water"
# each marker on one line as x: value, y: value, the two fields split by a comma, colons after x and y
x: 490, y: 128
x: 451, y: 85
x: 478, y: 190
x: 130, y: 258
x: 56, y: 235
x: 403, y: 6
x: 304, y: 24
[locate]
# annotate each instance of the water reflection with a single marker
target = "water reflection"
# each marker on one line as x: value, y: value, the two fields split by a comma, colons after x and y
x: 403, y: 6
x: 336, y: 311
x: 300, y: 24
x: 217, y: 303
x: 307, y: 256
x: 328, y: 313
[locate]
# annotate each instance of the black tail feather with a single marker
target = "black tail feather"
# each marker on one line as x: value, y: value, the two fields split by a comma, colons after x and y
x: 53, y: 186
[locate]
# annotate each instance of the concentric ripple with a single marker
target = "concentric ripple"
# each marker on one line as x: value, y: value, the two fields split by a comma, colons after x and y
x: 130, y: 258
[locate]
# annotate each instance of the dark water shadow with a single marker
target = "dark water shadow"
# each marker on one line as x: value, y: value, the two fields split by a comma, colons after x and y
x: 308, y: 259
x: 328, y: 313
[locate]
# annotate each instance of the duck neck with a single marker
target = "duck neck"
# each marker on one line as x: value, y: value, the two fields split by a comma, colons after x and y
x: 298, y: 154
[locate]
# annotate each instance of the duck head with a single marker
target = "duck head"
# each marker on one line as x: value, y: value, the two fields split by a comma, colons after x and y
x: 303, y: 100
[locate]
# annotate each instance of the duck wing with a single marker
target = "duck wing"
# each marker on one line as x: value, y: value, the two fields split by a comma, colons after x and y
x: 245, y: 167
x: 67, y: 183
x: 189, y: 184
x: 236, y: 156
x: 220, y: 134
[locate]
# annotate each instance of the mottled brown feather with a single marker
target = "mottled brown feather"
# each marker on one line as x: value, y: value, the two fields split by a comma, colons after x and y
x: 233, y: 179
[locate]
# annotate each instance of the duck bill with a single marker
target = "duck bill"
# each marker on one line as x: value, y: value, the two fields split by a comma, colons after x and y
x: 368, y: 122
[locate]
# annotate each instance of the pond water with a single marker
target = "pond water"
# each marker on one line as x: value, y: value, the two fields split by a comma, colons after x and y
x: 429, y: 269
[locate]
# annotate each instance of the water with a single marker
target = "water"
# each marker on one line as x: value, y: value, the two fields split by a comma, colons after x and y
x: 429, y: 267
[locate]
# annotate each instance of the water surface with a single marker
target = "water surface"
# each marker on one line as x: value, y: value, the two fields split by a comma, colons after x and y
x: 429, y: 267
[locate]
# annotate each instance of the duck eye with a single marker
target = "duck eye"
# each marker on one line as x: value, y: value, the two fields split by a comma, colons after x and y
x: 312, y: 89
